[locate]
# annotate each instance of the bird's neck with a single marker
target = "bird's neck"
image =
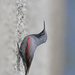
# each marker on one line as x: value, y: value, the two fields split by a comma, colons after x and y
x: 39, y: 41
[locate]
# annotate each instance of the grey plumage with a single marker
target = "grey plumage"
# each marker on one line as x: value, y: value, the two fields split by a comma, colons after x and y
x: 29, y: 45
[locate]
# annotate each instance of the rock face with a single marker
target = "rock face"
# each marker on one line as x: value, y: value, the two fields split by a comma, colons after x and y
x: 48, y: 57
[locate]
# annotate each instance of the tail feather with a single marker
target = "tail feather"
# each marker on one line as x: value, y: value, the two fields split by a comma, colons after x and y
x: 27, y: 66
x: 27, y: 69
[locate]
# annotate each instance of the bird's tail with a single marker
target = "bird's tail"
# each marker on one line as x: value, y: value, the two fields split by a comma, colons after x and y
x: 27, y: 66
x: 26, y: 70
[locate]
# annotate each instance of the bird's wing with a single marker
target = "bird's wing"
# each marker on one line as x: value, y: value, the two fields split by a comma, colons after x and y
x: 28, y: 58
x: 23, y: 48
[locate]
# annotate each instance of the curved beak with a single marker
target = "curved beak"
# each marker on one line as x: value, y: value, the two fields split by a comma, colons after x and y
x: 43, y: 31
x: 44, y: 25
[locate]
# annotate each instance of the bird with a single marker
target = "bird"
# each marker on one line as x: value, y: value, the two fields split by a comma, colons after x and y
x: 29, y: 45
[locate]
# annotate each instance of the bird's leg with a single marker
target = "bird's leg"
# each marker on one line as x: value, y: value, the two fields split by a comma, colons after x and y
x: 18, y: 47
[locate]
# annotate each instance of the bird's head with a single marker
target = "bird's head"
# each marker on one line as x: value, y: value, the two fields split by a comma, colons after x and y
x: 42, y: 36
